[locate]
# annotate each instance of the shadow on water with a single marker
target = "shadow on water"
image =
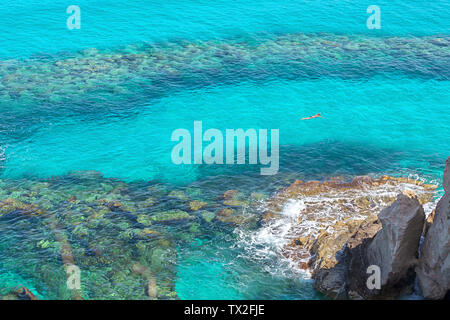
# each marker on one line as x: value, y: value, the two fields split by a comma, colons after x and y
x: 318, y: 161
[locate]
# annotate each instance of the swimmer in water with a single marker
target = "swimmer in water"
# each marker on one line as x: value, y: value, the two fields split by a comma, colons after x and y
x: 312, y: 117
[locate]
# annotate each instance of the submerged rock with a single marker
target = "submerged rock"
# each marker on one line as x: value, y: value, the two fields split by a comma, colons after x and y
x: 235, y: 203
x: 197, y: 205
x: 146, y: 233
x: 229, y: 194
x: 227, y: 212
x: 91, y: 224
x: 237, y: 217
x: 10, y: 205
x: 178, y: 194
x: 433, y: 272
x: 114, y: 205
x: 149, y: 202
x: 144, y: 219
x: 171, y: 215
x: 208, y: 216
x: 257, y: 196
x: 146, y: 274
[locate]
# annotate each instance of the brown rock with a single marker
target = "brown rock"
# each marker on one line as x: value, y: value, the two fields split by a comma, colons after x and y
x: 430, y: 186
x: 328, y: 263
x: 226, y: 212
x: 9, y: 205
x: 229, y: 194
x: 151, y: 289
x: 306, y: 242
x: 197, y: 205
x: 361, y: 180
x: 234, y: 203
x: 228, y: 215
x: 409, y: 193
x: 114, y: 205
x: 268, y: 216
x: 147, y: 232
x: 303, y: 265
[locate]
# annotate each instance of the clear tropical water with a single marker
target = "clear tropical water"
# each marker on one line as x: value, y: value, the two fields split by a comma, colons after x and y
x: 107, y: 97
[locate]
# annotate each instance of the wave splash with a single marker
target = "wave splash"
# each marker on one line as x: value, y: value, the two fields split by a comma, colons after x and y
x: 293, y: 219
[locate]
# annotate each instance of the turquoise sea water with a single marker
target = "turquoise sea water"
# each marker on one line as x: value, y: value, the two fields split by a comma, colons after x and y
x: 107, y: 97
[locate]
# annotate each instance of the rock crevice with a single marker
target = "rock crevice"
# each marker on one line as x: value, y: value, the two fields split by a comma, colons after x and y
x: 433, y: 271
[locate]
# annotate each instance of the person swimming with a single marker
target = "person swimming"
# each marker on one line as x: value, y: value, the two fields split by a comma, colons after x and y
x: 312, y: 117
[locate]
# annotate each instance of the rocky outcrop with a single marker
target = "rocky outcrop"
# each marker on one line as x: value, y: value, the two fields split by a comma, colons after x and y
x: 336, y: 234
x: 393, y: 249
x: 328, y: 213
x: 433, y: 272
x: 330, y: 259
x: 388, y: 242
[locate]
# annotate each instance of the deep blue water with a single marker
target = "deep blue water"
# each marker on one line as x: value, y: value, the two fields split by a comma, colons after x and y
x: 107, y: 97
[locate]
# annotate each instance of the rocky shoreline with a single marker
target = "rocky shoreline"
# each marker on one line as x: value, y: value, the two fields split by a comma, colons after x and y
x: 342, y: 255
x: 125, y: 236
